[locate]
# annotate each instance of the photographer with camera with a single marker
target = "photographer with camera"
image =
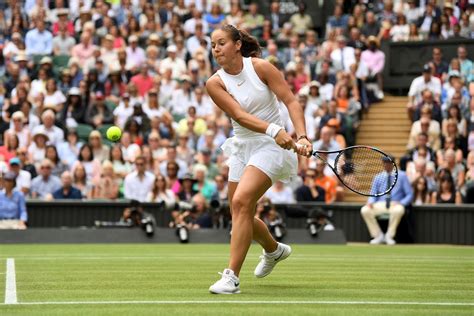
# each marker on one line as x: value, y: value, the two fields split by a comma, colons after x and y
x: 193, y: 215
x: 135, y: 216
x: 267, y: 212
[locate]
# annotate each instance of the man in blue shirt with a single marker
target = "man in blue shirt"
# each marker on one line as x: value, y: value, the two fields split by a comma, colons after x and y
x: 12, y: 205
x: 393, y: 203
x: 67, y: 191
x: 39, y: 41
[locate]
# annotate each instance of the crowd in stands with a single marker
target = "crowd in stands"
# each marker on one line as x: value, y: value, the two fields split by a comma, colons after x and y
x: 71, y: 69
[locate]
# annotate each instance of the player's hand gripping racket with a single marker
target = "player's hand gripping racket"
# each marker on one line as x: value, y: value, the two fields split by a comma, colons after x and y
x: 362, y: 169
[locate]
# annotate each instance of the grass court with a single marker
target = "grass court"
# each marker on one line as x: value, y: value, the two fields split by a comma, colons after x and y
x: 173, y: 279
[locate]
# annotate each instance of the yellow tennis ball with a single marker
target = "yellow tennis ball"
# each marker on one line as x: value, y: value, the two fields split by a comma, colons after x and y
x: 114, y: 133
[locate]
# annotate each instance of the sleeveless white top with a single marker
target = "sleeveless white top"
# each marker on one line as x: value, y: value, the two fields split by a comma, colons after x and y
x: 254, y: 96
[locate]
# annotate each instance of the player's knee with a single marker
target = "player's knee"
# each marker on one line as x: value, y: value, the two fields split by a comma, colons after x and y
x: 241, y: 206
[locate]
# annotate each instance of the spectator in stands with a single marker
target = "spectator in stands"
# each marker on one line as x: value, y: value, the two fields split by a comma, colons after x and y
x: 425, y: 125
x: 138, y: 183
x: 328, y: 183
x: 452, y: 131
x: 428, y: 102
x: 308, y: 191
x: 173, y: 62
x: 427, y: 19
x: 338, y: 19
x: 84, y: 50
x: 123, y: 111
x: 447, y: 192
x: 101, y: 151
x: 301, y: 21
x: 135, y: 54
x: 67, y: 190
x: 448, y: 143
x: 186, y: 189
x: 393, y: 203
x: 326, y: 140
x: 280, y: 193
x: 54, y: 133
x: 400, y: 32
x: 68, y: 150
x: 43, y: 186
x: 74, y: 110
x: 63, y: 42
x: 120, y: 165
x: 454, y: 112
x: 343, y: 56
x: 109, y: 183
x: 421, y: 194
x: 8, y: 150
x: 374, y: 58
x: 371, y: 26
x: 18, y: 128
x: 253, y: 21
x: 413, y: 13
x: 203, y: 185
x: 467, y: 66
x: 440, y: 65
x: 424, y: 82
x: 23, y: 178
x: 13, y: 213
x: 421, y: 167
x: 39, y: 41
x: 143, y: 80
x: 161, y: 194
x: 456, y: 169
x: 91, y: 165
x: 58, y: 167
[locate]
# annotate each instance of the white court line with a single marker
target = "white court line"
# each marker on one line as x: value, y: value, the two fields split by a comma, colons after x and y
x: 10, y: 284
x: 251, y: 302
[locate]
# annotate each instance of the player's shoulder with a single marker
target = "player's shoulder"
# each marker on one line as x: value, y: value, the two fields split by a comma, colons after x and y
x: 260, y: 63
x: 214, y: 82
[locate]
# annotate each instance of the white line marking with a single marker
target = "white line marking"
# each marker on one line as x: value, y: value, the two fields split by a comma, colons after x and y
x: 10, y: 284
x: 251, y: 302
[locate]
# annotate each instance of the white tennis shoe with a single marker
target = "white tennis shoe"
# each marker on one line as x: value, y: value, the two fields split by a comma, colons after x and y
x: 268, y: 262
x: 228, y: 284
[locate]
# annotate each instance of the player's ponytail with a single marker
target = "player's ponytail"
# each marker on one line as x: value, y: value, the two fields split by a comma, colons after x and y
x: 250, y: 46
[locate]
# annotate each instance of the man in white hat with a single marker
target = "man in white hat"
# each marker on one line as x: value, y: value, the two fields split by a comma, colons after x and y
x: 177, y: 65
x: 135, y: 54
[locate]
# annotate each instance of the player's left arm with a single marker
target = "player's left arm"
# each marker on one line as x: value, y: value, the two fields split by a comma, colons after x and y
x: 272, y: 77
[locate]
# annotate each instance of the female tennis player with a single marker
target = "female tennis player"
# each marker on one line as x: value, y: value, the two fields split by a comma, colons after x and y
x: 261, y: 152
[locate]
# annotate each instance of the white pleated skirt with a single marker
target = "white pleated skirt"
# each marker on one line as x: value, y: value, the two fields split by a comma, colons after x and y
x: 261, y: 152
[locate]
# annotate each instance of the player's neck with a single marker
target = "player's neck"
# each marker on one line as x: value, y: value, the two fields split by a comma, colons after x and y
x: 235, y: 67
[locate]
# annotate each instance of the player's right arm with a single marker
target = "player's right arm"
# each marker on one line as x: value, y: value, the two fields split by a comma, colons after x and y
x: 216, y: 90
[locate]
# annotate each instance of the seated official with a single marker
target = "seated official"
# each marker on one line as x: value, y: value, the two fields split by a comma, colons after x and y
x: 67, y: 191
x: 393, y: 203
x: 12, y: 204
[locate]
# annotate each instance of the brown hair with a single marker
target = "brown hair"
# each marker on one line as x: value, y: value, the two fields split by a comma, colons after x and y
x: 250, y: 46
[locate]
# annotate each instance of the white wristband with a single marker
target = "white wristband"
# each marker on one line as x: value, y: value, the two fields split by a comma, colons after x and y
x: 273, y: 129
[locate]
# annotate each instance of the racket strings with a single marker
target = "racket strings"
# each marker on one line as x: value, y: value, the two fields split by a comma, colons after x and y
x: 364, y: 170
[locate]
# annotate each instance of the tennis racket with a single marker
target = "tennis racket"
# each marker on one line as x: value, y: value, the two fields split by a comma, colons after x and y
x: 362, y: 169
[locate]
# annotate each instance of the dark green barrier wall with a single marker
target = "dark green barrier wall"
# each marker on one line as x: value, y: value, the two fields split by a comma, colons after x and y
x: 428, y: 224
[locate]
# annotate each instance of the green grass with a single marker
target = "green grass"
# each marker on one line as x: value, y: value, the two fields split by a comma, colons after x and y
x: 175, y: 272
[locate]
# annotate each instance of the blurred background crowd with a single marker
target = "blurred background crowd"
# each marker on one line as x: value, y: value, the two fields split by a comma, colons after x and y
x: 71, y: 69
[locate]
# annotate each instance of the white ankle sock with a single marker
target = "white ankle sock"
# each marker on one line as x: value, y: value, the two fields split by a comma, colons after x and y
x: 277, y: 251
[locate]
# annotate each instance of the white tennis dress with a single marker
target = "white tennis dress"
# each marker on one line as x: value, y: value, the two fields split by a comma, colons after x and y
x: 252, y: 148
